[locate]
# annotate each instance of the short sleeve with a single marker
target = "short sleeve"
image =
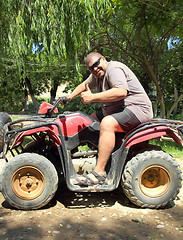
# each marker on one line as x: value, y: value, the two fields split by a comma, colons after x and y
x: 117, y: 78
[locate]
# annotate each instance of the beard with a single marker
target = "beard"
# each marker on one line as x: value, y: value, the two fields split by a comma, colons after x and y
x: 99, y: 73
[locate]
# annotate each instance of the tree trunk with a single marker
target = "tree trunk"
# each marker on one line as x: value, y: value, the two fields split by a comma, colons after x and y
x: 162, y: 106
x: 175, y: 105
x: 53, y: 91
x: 158, y: 88
x: 25, y: 106
x: 155, y: 108
x: 54, y: 87
x: 176, y: 95
x: 31, y: 92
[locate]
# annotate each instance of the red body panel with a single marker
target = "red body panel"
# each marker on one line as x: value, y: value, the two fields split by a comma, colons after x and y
x: 45, y: 107
x: 70, y: 125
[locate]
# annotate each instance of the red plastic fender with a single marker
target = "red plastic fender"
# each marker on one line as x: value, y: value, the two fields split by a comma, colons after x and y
x: 21, y: 136
x: 45, y: 107
x: 153, y: 133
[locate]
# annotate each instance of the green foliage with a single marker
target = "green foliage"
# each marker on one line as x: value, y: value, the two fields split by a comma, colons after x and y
x: 171, y: 147
x: 58, y: 28
x: 46, y: 42
x: 84, y: 148
x: 43, y: 40
x: 139, y: 33
x: 11, y: 90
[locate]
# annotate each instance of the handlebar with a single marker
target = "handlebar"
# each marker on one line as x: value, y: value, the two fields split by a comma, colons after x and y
x: 62, y: 100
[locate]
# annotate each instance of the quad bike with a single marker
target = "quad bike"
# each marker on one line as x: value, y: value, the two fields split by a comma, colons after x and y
x: 41, y: 150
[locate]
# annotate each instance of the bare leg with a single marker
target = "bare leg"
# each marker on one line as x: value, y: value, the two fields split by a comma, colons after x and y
x: 108, y: 127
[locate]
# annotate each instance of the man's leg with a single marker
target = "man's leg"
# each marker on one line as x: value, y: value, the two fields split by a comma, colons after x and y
x: 108, y: 127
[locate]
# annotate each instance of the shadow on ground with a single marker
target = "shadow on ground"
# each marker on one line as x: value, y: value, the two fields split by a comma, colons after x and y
x: 88, y: 199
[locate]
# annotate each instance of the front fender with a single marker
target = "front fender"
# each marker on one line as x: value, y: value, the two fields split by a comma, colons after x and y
x: 18, y: 140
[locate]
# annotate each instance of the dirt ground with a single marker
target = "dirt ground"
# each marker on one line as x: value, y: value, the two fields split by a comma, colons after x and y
x: 100, y: 216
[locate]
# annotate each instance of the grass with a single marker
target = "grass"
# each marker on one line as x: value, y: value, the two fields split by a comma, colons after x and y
x: 172, y: 148
x: 17, y: 117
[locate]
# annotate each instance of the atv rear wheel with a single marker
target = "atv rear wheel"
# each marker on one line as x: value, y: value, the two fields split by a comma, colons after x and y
x: 29, y: 181
x: 151, y: 179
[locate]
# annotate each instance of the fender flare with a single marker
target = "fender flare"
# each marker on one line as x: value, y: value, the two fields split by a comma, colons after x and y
x: 57, y: 138
x: 148, y: 133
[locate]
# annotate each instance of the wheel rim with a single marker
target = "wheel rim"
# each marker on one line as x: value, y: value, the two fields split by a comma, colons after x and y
x: 154, y: 181
x: 28, y: 182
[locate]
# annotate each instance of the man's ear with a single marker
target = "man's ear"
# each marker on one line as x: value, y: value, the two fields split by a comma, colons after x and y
x: 103, y: 58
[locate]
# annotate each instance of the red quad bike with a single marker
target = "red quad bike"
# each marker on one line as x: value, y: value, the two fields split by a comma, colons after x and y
x: 41, y: 150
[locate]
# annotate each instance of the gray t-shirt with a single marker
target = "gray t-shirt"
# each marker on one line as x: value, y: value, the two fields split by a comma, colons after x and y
x: 120, y: 76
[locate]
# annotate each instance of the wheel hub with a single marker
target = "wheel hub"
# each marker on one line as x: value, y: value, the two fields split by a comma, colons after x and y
x: 28, y: 182
x: 154, y: 181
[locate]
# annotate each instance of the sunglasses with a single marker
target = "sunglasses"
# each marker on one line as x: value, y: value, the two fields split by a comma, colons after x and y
x: 91, y: 68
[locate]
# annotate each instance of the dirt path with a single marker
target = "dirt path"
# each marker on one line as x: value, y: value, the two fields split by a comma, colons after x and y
x: 100, y: 216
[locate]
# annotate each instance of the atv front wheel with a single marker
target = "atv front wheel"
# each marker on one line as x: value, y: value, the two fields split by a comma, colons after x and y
x: 151, y: 179
x: 29, y: 181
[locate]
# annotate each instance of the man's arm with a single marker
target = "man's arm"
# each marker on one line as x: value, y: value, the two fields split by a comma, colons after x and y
x: 80, y: 88
x: 111, y: 95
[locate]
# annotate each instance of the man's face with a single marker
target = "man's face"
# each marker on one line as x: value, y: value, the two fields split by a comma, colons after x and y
x: 97, y: 66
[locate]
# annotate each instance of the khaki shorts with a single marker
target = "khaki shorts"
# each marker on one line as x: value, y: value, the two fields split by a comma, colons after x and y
x: 126, y: 119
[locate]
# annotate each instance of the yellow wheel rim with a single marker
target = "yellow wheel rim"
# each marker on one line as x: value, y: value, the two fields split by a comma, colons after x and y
x: 154, y: 181
x: 28, y: 182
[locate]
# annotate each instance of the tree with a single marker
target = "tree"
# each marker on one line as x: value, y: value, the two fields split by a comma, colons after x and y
x: 45, y: 41
x: 47, y: 35
x: 149, y: 33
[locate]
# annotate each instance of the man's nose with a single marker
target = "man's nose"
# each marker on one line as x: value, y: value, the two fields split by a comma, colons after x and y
x: 95, y: 68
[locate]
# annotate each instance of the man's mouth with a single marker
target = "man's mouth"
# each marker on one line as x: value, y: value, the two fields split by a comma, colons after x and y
x: 99, y: 71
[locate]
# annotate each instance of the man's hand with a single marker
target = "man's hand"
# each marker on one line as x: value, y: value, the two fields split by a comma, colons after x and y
x: 64, y: 100
x: 87, y: 96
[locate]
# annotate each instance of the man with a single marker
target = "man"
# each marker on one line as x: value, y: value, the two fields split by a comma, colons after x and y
x: 124, y: 105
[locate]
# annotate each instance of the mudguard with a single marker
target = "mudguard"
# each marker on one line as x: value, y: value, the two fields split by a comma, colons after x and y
x: 145, y: 133
x: 21, y: 136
